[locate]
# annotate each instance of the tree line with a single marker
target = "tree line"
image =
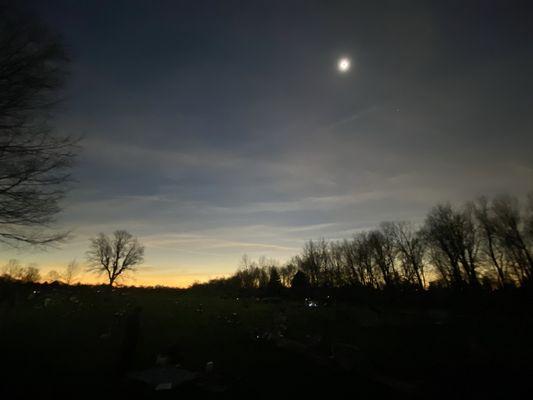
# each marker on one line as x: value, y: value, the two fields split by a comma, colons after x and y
x: 482, y: 243
x: 13, y: 270
x: 112, y: 256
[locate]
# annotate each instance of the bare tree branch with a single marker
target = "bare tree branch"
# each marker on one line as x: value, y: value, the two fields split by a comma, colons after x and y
x: 34, y: 163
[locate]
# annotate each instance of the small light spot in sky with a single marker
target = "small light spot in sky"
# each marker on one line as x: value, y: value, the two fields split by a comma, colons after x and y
x: 344, y: 65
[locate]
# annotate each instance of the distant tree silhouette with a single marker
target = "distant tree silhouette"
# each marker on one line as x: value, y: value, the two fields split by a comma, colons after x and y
x: 300, y: 282
x: 53, y: 276
x: 71, y: 271
x: 114, y: 256
x: 411, y: 251
x: 492, y: 247
x: 34, y: 163
x: 287, y: 272
x: 31, y: 273
x: 313, y: 261
x: 513, y: 230
x: 254, y: 274
x: 455, y: 242
x: 13, y: 269
x: 274, y: 285
x: 67, y: 275
x: 383, y: 254
x: 481, y: 244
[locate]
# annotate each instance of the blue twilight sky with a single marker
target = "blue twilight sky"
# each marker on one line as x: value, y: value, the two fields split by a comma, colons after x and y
x: 217, y: 128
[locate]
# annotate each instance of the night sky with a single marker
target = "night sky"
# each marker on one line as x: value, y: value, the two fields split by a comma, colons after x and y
x: 217, y: 128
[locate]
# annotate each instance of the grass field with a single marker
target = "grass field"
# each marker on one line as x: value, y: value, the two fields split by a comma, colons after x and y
x: 69, y: 341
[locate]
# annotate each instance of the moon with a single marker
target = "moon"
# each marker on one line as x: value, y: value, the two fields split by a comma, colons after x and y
x: 343, y: 65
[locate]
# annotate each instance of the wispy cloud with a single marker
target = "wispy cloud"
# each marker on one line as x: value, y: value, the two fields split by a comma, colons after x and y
x: 352, y: 117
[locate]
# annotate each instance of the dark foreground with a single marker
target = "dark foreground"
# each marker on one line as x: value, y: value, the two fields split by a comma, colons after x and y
x: 80, y: 341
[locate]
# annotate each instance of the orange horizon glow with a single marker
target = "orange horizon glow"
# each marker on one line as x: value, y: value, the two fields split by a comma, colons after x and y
x: 141, y: 278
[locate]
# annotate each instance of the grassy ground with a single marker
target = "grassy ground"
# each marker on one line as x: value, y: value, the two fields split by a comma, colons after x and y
x: 68, y: 340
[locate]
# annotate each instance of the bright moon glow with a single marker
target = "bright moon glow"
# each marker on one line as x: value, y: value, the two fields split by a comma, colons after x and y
x: 344, y: 65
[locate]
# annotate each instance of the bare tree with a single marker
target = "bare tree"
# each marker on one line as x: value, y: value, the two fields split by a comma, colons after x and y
x: 349, y: 254
x: 31, y: 273
x: 338, y: 261
x: 287, y: 272
x: 34, y: 163
x: 474, y: 245
x: 439, y: 260
x: 67, y: 275
x: 53, y: 276
x: 114, y: 256
x: 70, y: 273
x: 249, y: 274
x: 365, y: 260
x: 470, y: 244
x: 312, y: 261
x: 274, y: 284
x: 454, y: 238
x: 411, y: 251
x: 381, y: 244
x: 512, y: 229
x: 492, y: 246
x: 13, y: 269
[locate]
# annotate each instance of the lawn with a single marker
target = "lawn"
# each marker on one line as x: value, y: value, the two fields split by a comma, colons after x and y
x: 65, y: 340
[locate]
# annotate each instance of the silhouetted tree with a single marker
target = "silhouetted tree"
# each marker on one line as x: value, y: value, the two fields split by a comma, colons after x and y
x: 71, y: 271
x: 31, y: 273
x: 274, y: 285
x: 363, y: 259
x: 67, y: 275
x: 114, y: 256
x: 383, y: 254
x: 287, y: 272
x: 337, y: 264
x: 13, y: 269
x: 313, y: 262
x: 352, y: 271
x: 300, y: 282
x: 53, y: 276
x: 249, y: 273
x: 265, y: 265
x: 482, y: 242
x: 491, y: 245
x: 513, y: 229
x: 34, y: 163
x: 454, y: 238
x: 411, y: 250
